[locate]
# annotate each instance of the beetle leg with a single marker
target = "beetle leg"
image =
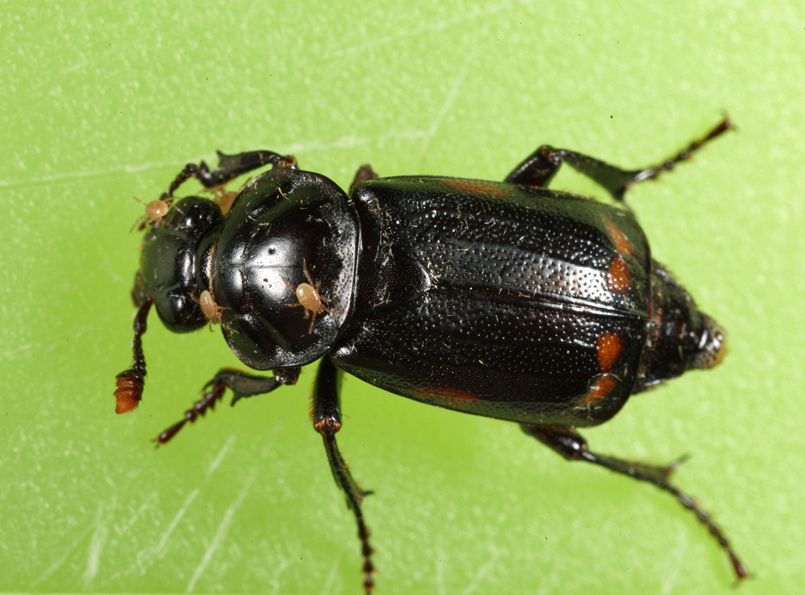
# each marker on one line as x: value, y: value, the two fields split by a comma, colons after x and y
x: 538, y: 169
x: 570, y: 444
x: 541, y: 166
x: 229, y: 168
x: 326, y: 415
x: 364, y: 174
x: 242, y: 384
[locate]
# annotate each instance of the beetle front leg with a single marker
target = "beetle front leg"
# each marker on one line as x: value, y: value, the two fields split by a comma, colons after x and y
x: 229, y: 168
x: 241, y: 383
x: 541, y: 166
x: 570, y: 444
x: 327, y: 421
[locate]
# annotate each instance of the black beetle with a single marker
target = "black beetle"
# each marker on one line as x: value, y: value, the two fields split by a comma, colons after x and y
x: 502, y: 299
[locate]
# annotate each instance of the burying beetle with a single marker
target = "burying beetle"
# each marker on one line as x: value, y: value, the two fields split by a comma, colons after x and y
x: 502, y: 299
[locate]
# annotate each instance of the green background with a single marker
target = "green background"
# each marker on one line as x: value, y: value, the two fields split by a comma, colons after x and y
x: 101, y: 102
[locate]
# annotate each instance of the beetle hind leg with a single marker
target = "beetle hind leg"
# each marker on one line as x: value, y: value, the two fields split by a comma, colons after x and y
x: 326, y: 416
x: 540, y: 167
x: 364, y: 174
x: 570, y: 444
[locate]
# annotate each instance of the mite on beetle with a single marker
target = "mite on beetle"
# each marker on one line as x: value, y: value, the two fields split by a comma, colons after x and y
x: 155, y: 212
x: 309, y: 297
x: 502, y: 299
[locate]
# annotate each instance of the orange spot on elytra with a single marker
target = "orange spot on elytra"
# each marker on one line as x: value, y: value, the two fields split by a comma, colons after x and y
x: 618, y: 277
x: 622, y: 243
x: 609, y: 348
x: 477, y: 186
x: 443, y: 391
x: 602, y: 387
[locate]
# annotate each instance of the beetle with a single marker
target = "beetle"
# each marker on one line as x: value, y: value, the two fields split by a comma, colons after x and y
x: 502, y: 299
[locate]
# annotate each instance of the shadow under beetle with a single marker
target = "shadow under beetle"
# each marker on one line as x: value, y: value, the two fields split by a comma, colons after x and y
x: 502, y: 299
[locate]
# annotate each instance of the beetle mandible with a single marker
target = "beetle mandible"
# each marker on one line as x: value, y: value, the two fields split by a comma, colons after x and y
x: 503, y: 299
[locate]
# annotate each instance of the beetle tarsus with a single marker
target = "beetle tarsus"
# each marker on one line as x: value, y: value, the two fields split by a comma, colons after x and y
x: 740, y: 570
x: 199, y: 408
x: 651, y: 173
x: 573, y: 447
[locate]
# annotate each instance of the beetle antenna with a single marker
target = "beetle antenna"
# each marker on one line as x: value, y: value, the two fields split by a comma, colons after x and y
x: 130, y: 383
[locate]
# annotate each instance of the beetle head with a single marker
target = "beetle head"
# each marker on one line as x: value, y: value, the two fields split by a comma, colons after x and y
x: 170, y: 258
x: 680, y: 336
x: 168, y: 279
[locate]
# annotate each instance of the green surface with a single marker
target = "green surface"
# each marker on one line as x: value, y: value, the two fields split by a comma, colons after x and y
x: 100, y: 103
